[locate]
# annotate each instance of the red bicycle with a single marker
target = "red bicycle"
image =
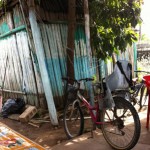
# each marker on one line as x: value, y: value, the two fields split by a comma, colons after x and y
x: 120, y: 124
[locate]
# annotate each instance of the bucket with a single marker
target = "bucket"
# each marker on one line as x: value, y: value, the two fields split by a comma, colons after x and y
x: 147, y: 80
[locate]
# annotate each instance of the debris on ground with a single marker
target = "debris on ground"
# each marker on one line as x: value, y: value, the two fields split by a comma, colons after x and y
x: 46, y: 116
x: 15, y: 109
x: 28, y: 114
x: 40, y: 120
x: 14, y: 117
x: 12, y: 106
x: 33, y: 124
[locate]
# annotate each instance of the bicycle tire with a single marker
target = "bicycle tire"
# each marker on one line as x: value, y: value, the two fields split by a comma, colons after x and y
x: 118, y: 130
x: 143, y: 96
x: 73, y: 120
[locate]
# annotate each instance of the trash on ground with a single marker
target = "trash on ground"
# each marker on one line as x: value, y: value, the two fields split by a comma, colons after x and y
x: 12, y: 106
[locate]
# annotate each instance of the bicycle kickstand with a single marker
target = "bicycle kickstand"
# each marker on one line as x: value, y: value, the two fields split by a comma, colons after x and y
x: 92, y: 129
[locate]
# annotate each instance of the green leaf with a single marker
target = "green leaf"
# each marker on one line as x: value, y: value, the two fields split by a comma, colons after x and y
x: 113, y: 23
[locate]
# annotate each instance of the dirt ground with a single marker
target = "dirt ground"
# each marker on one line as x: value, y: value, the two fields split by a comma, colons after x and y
x: 46, y: 135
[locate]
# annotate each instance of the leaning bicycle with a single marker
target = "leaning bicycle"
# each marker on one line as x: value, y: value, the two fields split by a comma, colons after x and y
x: 140, y: 90
x: 120, y: 124
x: 137, y: 93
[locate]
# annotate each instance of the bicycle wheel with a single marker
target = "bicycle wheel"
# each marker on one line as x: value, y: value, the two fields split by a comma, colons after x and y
x: 121, y: 125
x: 73, y: 120
x: 143, y: 97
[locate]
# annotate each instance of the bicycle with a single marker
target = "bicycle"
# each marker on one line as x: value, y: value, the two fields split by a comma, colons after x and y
x: 120, y: 124
x: 137, y: 93
x: 141, y: 89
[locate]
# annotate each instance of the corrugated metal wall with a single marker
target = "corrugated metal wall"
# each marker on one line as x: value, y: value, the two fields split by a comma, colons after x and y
x: 16, y: 60
x: 54, y: 38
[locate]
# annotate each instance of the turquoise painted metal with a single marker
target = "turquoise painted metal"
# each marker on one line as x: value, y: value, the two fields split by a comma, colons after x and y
x: 4, y: 28
x: 13, y: 31
x: 54, y: 38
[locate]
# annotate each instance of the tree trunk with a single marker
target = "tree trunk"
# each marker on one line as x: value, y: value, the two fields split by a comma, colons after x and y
x: 114, y: 59
x: 70, y: 40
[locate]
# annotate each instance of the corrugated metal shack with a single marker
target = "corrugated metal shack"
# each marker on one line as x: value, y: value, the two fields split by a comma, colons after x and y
x: 33, y: 42
x: 20, y: 72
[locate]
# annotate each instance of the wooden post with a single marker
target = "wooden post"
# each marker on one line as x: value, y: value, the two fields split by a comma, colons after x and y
x: 42, y: 65
x: 22, y: 3
x: 70, y: 40
x: 88, y: 46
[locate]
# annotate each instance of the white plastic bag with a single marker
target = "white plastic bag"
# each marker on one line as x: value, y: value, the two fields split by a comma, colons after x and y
x: 116, y: 80
x: 107, y: 102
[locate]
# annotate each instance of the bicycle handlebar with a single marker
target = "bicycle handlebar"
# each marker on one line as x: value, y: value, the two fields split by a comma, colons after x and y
x: 141, y: 71
x: 70, y: 79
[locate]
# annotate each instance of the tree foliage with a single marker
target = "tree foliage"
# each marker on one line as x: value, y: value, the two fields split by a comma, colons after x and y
x: 113, y: 23
x: 3, y: 3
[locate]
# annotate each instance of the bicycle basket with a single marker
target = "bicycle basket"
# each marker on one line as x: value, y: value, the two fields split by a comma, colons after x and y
x: 72, y: 92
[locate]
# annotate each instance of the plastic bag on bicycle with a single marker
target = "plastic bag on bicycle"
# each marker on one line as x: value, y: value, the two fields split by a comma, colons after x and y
x: 116, y: 80
x: 107, y: 102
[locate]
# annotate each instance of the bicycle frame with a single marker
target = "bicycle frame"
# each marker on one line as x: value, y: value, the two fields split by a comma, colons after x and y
x: 93, y: 110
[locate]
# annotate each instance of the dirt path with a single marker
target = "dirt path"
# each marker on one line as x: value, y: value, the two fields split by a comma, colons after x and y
x: 46, y: 135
